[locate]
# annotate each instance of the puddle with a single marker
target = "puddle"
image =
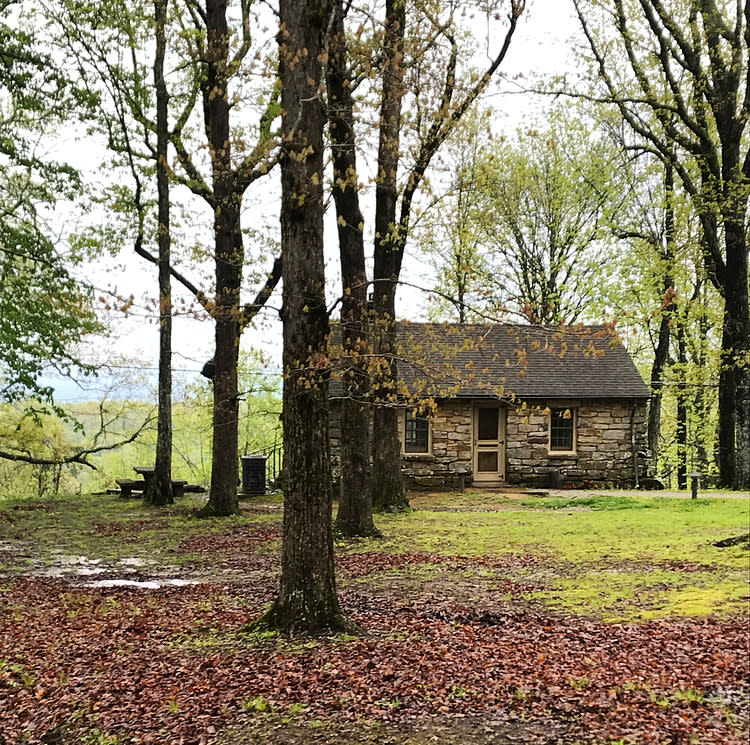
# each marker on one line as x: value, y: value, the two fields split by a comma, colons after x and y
x: 142, y: 584
x: 67, y: 565
x: 64, y: 564
x: 133, y: 561
x: 83, y: 571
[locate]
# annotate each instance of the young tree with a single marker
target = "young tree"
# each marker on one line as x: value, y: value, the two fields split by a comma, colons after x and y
x: 232, y: 173
x: 550, y: 196
x: 452, y: 232
x: 684, y: 91
x: 659, y: 292
x: 159, y: 489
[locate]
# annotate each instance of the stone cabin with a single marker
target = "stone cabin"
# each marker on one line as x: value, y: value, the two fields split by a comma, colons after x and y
x: 518, y: 405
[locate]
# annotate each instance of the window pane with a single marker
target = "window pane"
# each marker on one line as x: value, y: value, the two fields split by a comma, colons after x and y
x: 487, y: 461
x: 416, y: 434
x: 561, y: 429
x: 487, y: 420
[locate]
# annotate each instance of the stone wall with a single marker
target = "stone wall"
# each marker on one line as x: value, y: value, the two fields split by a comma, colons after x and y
x: 604, y: 452
x: 451, y: 438
x: 603, y: 445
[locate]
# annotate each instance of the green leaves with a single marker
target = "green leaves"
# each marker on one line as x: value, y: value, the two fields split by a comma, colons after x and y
x: 44, y: 314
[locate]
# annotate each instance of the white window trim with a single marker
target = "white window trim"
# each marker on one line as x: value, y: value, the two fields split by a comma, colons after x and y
x: 574, y: 415
x: 402, y: 436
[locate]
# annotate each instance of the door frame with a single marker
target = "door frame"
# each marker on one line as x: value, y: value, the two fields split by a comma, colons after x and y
x: 488, y: 445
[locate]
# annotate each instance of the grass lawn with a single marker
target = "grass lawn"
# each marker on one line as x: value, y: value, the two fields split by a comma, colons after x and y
x: 501, y: 618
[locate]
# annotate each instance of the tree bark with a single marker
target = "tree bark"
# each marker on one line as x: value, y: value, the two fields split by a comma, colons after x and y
x: 734, y: 376
x: 229, y: 257
x: 159, y: 491
x: 682, y: 409
x: 354, y: 516
x: 389, y: 487
x: 661, y: 352
x: 307, y: 599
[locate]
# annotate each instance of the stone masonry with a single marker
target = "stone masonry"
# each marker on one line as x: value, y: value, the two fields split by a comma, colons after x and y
x: 604, y: 448
x: 603, y: 453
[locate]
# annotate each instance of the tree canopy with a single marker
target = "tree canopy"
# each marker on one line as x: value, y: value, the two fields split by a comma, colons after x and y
x: 44, y: 310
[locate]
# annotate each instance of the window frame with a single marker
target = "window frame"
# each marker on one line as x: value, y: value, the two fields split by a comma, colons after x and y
x: 560, y: 410
x: 412, y: 415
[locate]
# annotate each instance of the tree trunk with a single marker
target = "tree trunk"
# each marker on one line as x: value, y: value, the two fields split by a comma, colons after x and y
x: 354, y: 517
x: 701, y: 401
x: 734, y: 377
x: 657, y: 377
x: 229, y: 256
x: 307, y: 599
x: 159, y: 491
x: 661, y: 353
x: 682, y: 455
x: 388, y: 484
x: 389, y: 488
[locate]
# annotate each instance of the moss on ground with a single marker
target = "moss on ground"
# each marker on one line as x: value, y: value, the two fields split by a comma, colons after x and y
x: 614, y: 556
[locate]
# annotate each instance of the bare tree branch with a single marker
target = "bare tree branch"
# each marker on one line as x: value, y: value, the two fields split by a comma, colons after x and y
x: 78, y: 457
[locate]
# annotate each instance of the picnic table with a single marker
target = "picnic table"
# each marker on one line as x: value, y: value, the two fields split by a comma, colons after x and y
x: 128, y: 486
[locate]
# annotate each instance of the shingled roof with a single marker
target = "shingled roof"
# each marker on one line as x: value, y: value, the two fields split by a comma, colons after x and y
x: 529, y: 362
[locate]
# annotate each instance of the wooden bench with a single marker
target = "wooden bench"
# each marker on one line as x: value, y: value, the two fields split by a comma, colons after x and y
x: 128, y: 486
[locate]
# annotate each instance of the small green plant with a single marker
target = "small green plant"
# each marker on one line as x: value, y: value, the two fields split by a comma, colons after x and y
x: 579, y: 683
x: 19, y: 676
x: 688, y: 694
x: 256, y: 704
x: 172, y: 705
x: 110, y: 605
x: 392, y: 703
x: 97, y: 737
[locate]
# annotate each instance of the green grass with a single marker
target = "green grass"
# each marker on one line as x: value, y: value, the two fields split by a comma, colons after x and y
x: 613, y: 556
x: 660, y: 530
x: 108, y: 528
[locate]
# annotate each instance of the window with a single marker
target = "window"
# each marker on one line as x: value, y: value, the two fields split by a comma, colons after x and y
x: 562, y: 430
x: 416, y: 433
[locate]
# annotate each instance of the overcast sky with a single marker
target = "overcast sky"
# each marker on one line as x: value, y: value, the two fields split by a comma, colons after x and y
x: 539, y: 47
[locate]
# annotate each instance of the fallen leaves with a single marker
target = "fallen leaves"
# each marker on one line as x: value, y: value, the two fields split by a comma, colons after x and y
x: 114, y: 660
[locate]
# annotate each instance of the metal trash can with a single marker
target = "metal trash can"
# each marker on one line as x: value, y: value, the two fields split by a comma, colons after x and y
x: 253, y: 475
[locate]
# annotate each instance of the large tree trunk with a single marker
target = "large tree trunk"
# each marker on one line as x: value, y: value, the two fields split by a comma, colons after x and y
x: 159, y: 491
x: 388, y: 486
x: 734, y: 377
x: 307, y: 599
x: 354, y: 517
x: 228, y: 253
